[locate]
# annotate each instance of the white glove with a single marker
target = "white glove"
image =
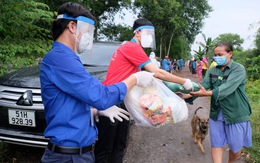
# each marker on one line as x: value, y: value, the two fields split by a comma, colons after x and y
x: 115, y: 112
x: 144, y: 78
x: 188, y: 85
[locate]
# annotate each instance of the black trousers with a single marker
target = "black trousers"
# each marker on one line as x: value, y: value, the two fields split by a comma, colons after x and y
x: 204, y: 72
x: 112, y: 140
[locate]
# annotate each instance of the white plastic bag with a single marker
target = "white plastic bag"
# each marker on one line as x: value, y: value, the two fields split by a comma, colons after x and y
x: 155, y: 105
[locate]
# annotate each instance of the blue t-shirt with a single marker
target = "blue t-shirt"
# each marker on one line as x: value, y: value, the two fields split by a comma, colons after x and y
x: 68, y: 92
x: 193, y: 64
x: 166, y: 64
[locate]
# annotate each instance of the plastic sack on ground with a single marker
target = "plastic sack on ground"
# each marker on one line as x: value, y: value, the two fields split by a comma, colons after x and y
x: 155, y: 105
x: 175, y: 87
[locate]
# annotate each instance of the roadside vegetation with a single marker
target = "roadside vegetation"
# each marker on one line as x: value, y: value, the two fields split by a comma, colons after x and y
x: 253, y: 90
x: 251, y: 59
x: 25, y: 37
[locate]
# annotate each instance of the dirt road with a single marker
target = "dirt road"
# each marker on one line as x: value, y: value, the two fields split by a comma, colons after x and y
x: 171, y: 143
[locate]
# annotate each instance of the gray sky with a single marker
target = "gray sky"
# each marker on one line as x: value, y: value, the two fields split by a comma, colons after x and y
x: 232, y: 16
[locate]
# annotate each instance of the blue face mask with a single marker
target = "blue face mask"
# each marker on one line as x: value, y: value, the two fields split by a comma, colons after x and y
x: 220, y: 60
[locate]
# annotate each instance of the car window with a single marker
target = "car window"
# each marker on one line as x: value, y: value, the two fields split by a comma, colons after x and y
x: 101, y: 54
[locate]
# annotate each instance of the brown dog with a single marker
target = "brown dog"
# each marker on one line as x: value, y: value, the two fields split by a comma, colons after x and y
x: 199, y: 129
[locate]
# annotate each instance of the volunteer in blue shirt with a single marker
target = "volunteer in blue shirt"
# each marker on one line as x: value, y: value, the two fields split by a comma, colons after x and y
x: 166, y: 64
x: 69, y: 92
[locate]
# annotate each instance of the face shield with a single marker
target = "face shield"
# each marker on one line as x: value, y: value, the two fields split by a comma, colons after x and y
x: 147, y: 37
x: 84, y: 35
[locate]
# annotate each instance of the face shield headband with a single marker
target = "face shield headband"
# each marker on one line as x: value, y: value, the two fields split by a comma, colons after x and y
x: 85, y: 33
x: 147, y: 36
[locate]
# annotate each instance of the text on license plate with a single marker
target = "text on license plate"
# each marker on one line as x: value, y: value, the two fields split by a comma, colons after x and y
x: 21, y: 117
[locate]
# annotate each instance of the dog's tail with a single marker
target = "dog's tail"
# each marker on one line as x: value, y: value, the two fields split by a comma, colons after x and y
x: 197, y: 110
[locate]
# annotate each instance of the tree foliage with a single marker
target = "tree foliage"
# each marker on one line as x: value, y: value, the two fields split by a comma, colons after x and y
x: 24, y: 32
x: 257, y: 40
x: 234, y: 39
x: 105, y: 10
x: 21, y: 19
x: 180, y: 48
x: 55, y: 4
x: 114, y: 32
x: 25, y: 28
x: 253, y: 59
x: 174, y: 18
x: 200, y: 53
x: 208, y: 45
x: 102, y: 10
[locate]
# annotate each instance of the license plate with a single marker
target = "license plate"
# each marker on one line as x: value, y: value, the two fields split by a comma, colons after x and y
x: 21, y: 117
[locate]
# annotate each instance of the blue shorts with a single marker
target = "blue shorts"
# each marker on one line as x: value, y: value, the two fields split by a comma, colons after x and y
x: 234, y: 135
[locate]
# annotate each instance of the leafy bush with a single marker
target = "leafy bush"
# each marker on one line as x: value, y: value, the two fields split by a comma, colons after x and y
x: 253, y: 90
x: 250, y: 59
x: 24, y: 33
x: 16, y: 55
x: 253, y: 67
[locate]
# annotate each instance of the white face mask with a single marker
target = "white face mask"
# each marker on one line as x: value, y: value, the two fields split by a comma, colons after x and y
x: 146, y: 40
x: 85, y: 31
x: 84, y: 39
x: 147, y: 37
x: 85, y: 43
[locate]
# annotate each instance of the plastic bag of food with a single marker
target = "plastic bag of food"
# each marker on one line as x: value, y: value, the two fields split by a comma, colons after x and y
x: 155, y: 105
x: 175, y: 87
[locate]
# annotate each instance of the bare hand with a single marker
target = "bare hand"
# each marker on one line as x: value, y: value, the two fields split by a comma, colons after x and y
x: 183, y: 96
x: 202, y: 92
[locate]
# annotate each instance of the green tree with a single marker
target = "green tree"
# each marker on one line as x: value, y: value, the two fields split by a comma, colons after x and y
x: 173, y: 18
x: 257, y: 39
x: 208, y: 44
x: 102, y: 10
x: 253, y: 59
x: 200, y: 53
x: 180, y: 48
x: 21, y: 19
x: 114, y: 32
x: 24, y: 32
x: 232, y: 38
x: 55, y: 4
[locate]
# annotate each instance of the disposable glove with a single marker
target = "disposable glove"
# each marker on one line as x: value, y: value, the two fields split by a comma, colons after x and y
x: 188, y: 85
x: 144, y: 78
x: 114, y: 112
